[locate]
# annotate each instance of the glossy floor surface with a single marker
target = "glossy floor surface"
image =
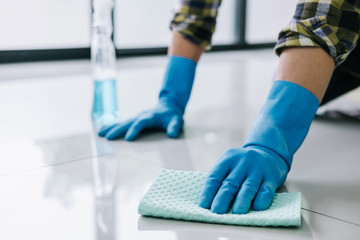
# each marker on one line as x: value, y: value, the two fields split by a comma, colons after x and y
x: 58, y: 180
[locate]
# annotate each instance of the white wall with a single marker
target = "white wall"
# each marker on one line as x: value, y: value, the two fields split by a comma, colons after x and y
x: 266, y: 18
x: 41, y: 24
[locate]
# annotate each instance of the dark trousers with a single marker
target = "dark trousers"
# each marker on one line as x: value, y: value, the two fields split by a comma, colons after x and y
x: 345, y: 78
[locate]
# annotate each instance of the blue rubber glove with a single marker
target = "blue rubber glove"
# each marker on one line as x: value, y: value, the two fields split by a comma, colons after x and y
x: 168, y: 113
x: 249, y: 176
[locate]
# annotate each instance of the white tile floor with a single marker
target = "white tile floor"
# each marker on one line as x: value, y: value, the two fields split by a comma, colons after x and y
x: 59, y: 181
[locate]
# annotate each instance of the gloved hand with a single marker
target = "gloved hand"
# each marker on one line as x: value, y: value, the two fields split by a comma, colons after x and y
x: 163, y: 116
x: 168, y: 113
x: 241, y: 174
x: 249, y: 176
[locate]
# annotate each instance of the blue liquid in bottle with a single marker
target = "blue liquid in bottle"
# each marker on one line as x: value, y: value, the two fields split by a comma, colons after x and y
x: 105, y: 106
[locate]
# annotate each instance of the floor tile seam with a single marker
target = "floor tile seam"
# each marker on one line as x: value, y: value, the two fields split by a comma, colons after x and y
x: 53, y: 165
x: 326, y: 215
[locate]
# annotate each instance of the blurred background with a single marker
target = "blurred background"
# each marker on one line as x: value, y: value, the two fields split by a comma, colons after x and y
x: 60, y: 29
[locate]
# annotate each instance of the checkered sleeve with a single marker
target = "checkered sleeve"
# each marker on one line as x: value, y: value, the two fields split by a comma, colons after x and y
x: 195, y: 20
x: 330, y: 24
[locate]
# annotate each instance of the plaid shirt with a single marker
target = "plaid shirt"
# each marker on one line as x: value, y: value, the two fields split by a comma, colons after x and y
x: 196, y: 20
x: 333, y: 25
x: 330, y: 24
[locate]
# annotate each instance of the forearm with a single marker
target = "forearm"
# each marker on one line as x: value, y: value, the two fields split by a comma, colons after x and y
x: 182, y: 47
x: 309, y: 67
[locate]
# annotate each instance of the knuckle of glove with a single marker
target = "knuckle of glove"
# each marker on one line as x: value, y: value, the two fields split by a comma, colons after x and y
x: 229, y: 186
x: 249, y: 189
x: 213, y: 181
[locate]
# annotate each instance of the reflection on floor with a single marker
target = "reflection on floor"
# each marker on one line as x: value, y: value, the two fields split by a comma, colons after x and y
x: 58, y: 180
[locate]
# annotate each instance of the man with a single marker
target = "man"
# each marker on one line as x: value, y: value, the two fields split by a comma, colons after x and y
x: 321, y: 36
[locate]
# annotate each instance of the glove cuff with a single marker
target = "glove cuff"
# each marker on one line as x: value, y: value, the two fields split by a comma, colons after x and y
x: 284, y: 120
x: 178, y: 80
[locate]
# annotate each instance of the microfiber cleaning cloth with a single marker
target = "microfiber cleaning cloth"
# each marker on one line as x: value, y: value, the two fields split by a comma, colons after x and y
x: 175, y: 194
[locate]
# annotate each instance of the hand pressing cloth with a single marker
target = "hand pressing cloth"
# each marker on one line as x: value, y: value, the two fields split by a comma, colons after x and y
x: 175, y: 195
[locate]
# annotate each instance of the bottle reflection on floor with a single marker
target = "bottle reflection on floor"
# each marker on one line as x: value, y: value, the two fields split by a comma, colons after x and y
x: 105, y: 181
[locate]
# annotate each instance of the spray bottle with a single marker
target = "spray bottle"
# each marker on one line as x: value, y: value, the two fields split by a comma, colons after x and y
x: 103, y: 64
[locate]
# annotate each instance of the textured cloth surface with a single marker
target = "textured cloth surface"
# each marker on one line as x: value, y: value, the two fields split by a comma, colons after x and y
x: 175, y: 194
